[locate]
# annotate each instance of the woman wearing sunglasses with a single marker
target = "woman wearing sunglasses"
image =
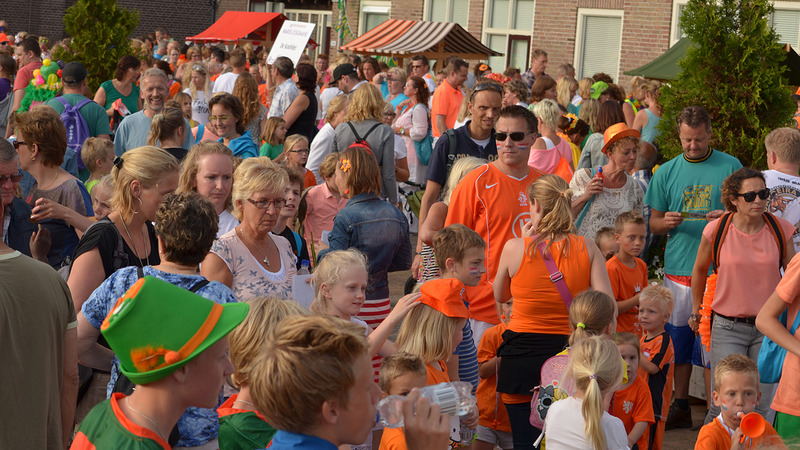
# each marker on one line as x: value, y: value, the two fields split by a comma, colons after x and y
x: 747, y: 266
x: 249, y: 259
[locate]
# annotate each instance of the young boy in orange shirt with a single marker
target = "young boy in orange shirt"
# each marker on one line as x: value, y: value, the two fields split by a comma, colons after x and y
x: 400, y: 373
x: 493, y: 425
x: 632, y: 403
x: 736, y: 392
x: 628, y: 273
x: 657, y: 361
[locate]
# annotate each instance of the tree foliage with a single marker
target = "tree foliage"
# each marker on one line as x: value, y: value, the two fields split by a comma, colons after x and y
x: 100, y: 32
x: 734, y: 70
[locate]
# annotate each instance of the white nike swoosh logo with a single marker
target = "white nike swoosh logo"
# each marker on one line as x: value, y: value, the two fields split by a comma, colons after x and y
x: 488, y: 186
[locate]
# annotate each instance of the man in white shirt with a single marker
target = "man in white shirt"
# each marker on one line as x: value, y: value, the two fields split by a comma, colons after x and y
x: 226, y: 81
x: 783, y: 160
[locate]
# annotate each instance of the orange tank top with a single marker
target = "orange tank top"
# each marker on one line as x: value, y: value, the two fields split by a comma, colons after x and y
x: 538, y: 307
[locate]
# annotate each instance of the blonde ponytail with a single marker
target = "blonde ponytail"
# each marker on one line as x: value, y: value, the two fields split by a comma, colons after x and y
x: 590, y: 313
x: 555, y: 198
x: 164, y: 125
x: 596, y: 368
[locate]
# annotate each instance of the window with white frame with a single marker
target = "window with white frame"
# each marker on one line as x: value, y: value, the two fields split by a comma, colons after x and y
x: 598, y: 39
x: 447, y: 11
x: 676, y: 33
x: 786, y: 23
x: 273, y: 7
x: 508, y: 28
x: 372, y: 14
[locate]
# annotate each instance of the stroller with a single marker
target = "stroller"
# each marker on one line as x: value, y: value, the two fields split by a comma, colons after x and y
x: 411, y: 201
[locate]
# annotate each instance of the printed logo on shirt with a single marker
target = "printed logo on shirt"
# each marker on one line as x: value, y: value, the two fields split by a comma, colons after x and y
x: 637, y: 288
x: 627, y: 406
x: 697, y: 199
x: 519, y: 222
x: 489, y: 186
x: 522, y: 199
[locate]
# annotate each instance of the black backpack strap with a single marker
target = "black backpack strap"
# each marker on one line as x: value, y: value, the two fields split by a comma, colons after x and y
x: 719, y: 236
x: 370, y: 130
x: 777, y: 232
x: 452, y: 148
x: 199, y: 285
x: 355, y: 133
x: 140, y: 271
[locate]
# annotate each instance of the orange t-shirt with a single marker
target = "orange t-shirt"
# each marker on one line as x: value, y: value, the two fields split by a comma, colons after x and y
x: 538, y: 306
x: 393, y: 439
x: 660, y: 352
x: 309, y: 180
x: 174, y: 88
x: 633, y: 405
x: 436, y: 376
x: 495, y: 205
x: 626, y: 282
x: 493, y: 413
x: 715, y: 436
x: 446, y: 102
x: 787, y: 397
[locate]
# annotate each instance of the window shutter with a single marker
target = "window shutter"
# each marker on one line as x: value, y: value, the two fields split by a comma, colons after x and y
x: 437, y: 12
x: 601, y: 45
x: 498, y: 43
x: 786, y: 24
x: 523, y: 16
x: 459, y: 12
x: 499, y: 17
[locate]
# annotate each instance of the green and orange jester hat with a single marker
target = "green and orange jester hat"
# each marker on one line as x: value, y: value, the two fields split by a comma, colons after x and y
x: 156, y: 327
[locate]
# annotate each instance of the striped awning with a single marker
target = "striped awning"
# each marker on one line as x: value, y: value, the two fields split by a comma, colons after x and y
x: 397, y: 37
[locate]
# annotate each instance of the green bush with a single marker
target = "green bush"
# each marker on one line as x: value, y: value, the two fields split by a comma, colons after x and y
x: 100, y: 35
x: 734, y: 71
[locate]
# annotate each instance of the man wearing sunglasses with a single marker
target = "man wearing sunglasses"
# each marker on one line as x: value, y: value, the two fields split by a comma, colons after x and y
x: 684, y: 195
x: 492, y: 200
x: 475, y: 138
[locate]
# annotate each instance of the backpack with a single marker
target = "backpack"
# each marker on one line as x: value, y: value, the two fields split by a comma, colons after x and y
x: 120, y: 257
x: 704, y: 328
x: 554, y: 386
x: 360, y: 142
x: 77, y: 128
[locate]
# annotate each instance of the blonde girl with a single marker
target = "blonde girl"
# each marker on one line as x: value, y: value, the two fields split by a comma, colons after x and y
x: 294, y: 158
x: 208, y: 170
x: 184, y: 103
x: 273, y: 137
x: 592, y: 313
x: 246, y: 342
x: 200, y: 91
x: 594, y: 367
x: 647, y: 119
x: 566, y: 88
x: 425, y: 259
x: 588, y: 112
x: 168, y: 131
x: 340, y: 284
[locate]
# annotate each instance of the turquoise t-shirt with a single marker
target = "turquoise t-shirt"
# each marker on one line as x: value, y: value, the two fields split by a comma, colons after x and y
x: 270, y: 150
x: 688, y: 187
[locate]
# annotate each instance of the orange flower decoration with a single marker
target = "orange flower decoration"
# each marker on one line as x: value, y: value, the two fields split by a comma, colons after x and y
x: 345, y: 165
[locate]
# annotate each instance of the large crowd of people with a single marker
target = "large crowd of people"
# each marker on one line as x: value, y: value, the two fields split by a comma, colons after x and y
x: 209, y: 267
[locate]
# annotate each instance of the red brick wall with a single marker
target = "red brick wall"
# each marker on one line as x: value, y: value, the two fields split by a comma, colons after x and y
x: 645, y: 30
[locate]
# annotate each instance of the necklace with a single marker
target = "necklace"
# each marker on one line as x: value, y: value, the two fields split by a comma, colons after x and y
x: 266, y: 259
x: 50, y: 185
x: 245, y: 401
x: 155, y: 427
x: 133, y: 247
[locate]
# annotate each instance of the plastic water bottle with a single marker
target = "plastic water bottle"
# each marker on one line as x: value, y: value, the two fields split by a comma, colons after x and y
x: 454, y: 399
x: 304, y: 265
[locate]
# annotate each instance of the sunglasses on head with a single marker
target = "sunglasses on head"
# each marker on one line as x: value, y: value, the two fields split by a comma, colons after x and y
x: 486, y: 86
x: 516, y: 136
x: 749, y: 197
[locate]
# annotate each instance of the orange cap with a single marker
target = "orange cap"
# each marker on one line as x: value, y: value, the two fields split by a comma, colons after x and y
x: 616, y: 132
x: 4, y: 38
x: 446, y: 295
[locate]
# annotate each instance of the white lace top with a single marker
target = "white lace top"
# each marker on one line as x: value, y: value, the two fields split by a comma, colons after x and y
x: 605, y: 207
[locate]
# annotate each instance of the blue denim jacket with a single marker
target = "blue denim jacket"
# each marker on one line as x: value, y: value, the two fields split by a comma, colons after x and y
x: 379, y: 230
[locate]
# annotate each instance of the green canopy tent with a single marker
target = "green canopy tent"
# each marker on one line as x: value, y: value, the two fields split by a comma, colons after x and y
x: 666, y: 67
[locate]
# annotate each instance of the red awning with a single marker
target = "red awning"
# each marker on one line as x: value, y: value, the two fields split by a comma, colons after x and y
x: 235, y: 26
